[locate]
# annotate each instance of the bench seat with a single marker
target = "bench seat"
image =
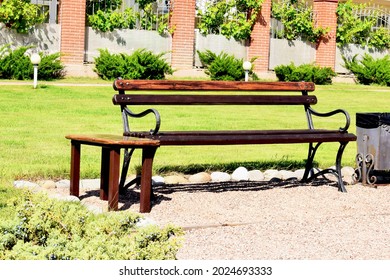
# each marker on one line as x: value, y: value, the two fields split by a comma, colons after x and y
x: 238, y: 137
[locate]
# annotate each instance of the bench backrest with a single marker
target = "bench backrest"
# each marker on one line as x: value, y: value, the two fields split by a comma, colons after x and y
x: 148, y: 86
x: 211, y: 99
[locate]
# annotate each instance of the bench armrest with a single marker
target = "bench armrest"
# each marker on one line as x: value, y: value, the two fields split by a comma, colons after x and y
x: 126, y: 112
x: 331, y: 113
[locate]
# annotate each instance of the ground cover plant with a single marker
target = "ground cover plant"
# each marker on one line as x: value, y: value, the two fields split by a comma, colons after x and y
x: 45, y: 229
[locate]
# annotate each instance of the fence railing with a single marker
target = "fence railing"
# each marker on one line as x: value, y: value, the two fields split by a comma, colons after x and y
x: 50, y: 6
x: 381, y: 14
x: 148, y: 19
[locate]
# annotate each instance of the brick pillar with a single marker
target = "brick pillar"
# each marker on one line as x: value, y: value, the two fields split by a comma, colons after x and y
x: 72, y: 20
x: 325, y: 11
x: 260, y: 38
x: 183, y: 38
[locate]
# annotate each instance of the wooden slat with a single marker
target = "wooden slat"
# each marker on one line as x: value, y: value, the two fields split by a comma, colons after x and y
x: 147, y: 85
x: 112, y: 140
x: 164, y: 99
x: 248, y: 137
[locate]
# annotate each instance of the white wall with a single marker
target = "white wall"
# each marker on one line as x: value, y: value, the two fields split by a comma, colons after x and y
x: 46, y: 38
x: 125, y: 41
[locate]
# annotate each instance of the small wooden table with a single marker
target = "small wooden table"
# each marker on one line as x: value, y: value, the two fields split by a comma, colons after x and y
x: 110, y: 165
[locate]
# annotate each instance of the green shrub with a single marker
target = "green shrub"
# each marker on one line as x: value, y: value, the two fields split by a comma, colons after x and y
x: 15, y: 64
x: 47, y: 229
x: 305, y: 72
x: 141, y: 64
x: 224, y: 67
x: 370, y: 70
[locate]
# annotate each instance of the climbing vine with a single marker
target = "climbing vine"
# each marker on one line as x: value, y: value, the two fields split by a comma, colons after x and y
x: 20, y: 15
x: 108, y: 18
x: 297, y: 20
x: 233, y: 18
x: 355, y: 29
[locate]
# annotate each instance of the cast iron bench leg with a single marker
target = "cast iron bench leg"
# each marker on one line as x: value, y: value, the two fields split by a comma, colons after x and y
x: 75, y: 168
x: 338, y: 166
x: 113, y: 188
x: 146, y: 178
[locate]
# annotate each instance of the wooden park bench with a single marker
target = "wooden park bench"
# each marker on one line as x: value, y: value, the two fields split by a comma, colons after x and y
x: 155, y: 93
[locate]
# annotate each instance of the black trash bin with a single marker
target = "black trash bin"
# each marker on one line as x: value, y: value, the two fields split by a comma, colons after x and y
x: 373, y: 146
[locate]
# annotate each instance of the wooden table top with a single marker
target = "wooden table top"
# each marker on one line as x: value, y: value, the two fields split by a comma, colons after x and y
x: 112, y: 140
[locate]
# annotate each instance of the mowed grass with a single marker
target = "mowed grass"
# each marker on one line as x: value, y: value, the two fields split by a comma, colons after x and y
x: 34, y: 124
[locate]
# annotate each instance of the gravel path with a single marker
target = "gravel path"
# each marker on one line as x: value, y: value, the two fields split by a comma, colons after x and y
x: 288, y: 221
x: 305, y: 222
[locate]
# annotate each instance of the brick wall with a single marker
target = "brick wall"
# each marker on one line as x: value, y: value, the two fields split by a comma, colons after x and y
x: 259, y: 45
x: 326, y: 17
x: 72, y: 19
x: 183, y: 20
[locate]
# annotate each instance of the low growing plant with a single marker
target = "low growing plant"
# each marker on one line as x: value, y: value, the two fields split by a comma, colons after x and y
x: 305, y: 72
x: 141, y: 64
x: 224, y: 67
x: 369, y: 70
x: 45, y: 229
x: 16, y: 64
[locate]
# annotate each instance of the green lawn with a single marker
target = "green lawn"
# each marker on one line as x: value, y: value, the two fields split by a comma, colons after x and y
x: 34, y: 122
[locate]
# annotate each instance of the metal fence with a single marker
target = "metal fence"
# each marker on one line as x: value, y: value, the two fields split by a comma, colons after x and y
x: 381, y: 14
x: 147, y: 19
x: 50, y: 7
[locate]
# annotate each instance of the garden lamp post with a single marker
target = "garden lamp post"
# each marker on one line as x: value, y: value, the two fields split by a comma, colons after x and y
x: 246, y: 66
x: 35, y: 60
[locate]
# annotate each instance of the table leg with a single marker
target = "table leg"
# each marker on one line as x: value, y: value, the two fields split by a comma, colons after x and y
x: 104, y: 173
x: 146, y: 178
x: 113, y: 188
x: 75, y: 168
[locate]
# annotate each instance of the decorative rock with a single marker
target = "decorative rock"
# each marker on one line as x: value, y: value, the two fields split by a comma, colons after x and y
x: 347, y: 173
x: 158, y: 181
x: 330, y: 176
x: 286, y: 175
x: 48, y: 184
x: 271, y: 173
x: 90, y: 184
x: 63, y: 184
x: 255, y: 175
x: 26, y: 184
x: 175, y: 179
x: 220, y: 177
x: 299, y: 173
x: 202, y: 177
x: 240, y: 174
x: 145, y: 222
